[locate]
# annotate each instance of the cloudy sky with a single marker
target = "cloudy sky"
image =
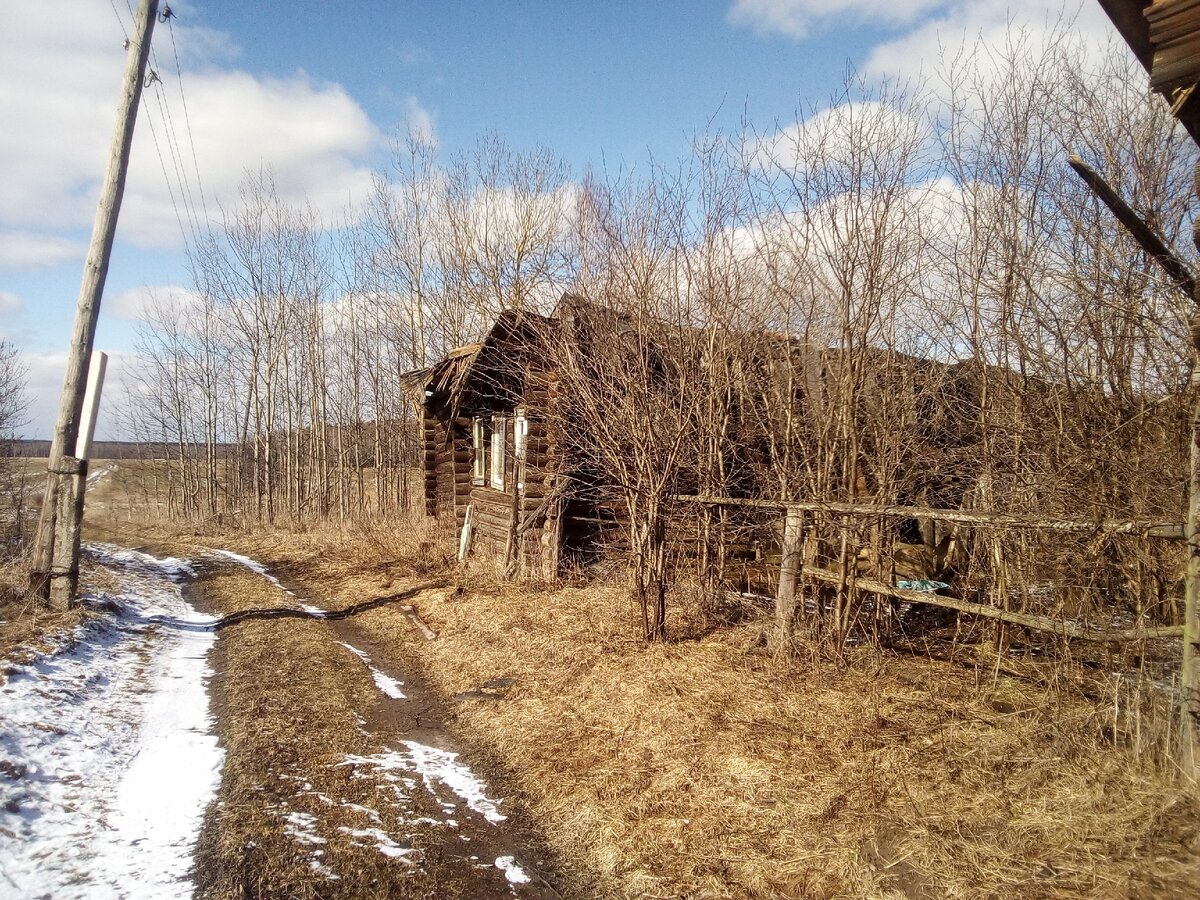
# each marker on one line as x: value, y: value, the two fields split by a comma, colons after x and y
x: 314, y: 90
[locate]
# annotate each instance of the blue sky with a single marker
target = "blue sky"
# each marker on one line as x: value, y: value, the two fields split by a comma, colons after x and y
x: 314, y: 89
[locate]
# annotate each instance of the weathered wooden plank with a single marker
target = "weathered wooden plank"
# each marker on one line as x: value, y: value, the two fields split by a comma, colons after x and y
x: 1155, y: 528
x: 1063, y: 629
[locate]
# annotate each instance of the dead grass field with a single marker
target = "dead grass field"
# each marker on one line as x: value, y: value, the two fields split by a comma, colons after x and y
x: 706, y: 768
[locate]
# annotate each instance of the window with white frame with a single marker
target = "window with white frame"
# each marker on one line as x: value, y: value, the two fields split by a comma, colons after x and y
x: 497, y: 454
x: 520, y: 439
x: 479, y: 445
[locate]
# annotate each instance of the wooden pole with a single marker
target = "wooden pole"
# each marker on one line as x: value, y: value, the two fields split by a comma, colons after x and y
x: 1146, y: 236
x: 63, y: 470
x: 789, y: 570
x: 1189, y: 706
x: 64, y: 580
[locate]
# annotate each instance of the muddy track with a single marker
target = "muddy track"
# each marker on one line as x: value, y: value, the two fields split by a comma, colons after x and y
x: 344, y: 780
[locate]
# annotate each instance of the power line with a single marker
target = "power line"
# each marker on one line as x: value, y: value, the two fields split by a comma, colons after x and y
x: 172, y: 141
x: 186, y: 117
x: 166, y: 177
x: 120, y: 21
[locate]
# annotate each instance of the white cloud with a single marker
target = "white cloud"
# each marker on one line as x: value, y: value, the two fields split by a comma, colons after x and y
x: 12, y: 317
x: 136, y: 304
x: 797, y: 18
x: 22, y: 251
x: 993, y: 25
x: 60, y: 75
x: 10, y: 304
x: 44, y: 378
x: 420, y: 122
x: 834, y: 135
x: 313, y: 138
x: 43, y: 386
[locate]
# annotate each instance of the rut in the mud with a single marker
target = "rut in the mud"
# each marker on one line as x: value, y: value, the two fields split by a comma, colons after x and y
x: 308, y: 612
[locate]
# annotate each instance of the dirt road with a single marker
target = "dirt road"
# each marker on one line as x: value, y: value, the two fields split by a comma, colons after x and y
x: 342, y: 777
x: 336, y: 773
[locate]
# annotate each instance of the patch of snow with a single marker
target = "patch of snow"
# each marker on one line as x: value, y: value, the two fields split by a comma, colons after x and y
x: 94, y: 477
x: 436, y: 767
x: 109, y: 758
x: 303, y: 827
x: 259, y: 569
x: 383, y: 842
x: 513, y: 872
x: 365, y: 810
x: 386, y: 683
x: 180, y: 571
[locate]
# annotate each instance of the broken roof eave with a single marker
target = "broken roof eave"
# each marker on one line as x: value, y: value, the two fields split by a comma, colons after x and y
x: 1129, y: 18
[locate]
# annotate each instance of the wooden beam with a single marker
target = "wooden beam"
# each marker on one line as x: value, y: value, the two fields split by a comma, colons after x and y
x: 1153, y: 528
x: 1129, y: 18
x: 1146, y: 236
x: 1058, y: 627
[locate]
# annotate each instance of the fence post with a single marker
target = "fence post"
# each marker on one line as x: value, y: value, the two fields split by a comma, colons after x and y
x: 789, y: 571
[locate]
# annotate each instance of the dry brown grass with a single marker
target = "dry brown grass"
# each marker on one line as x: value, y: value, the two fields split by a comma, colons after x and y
x: 708, y: 768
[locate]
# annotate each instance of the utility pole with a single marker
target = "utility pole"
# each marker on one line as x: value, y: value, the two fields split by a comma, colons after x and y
x: 54, y: 575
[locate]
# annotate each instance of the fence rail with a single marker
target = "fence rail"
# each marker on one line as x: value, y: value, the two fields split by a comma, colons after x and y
x: 792, y: 567
x: 1152, y: 528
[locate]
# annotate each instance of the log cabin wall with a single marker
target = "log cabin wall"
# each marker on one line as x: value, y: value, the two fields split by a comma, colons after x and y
x: 561, y: 514
x: 527, y: 507
x: 447, y: 463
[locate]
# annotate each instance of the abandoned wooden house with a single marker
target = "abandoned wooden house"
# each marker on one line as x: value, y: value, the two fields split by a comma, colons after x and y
x: 494, y: 451
x: 498, y: 457
x: 501, y: 460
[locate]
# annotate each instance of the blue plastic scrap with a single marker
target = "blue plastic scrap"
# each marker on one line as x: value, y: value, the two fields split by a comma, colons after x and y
x: 925, y: 587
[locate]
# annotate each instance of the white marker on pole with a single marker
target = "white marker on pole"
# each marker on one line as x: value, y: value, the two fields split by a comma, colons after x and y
x: 91, y: 405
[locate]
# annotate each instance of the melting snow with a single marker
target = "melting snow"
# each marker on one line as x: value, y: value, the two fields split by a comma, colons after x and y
x: 383, y: 842
x: 435, y: 767
x: 107, y: 760
x: 94, y: 477
x: 514, y: 873
x: 259, y: 569
x: 303, y: 827
x: 386, y: 683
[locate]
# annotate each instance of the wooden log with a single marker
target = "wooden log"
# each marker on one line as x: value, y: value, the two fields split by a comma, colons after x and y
x: 1146, y: 236
x: 413, y: 616
x: 1154, y: 528
x: 1063, y: 629
x: 464, y: 539
x: 789, y: 569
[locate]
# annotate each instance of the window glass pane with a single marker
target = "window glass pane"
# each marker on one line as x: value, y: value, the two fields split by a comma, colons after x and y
x: 498, y: 452
x: 479, y: 445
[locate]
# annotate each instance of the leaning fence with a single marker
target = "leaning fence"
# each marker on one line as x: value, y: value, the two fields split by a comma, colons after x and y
x: 838, y: 563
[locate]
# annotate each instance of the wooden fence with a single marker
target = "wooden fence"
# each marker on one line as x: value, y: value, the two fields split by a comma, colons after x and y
x: 793, y: 565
